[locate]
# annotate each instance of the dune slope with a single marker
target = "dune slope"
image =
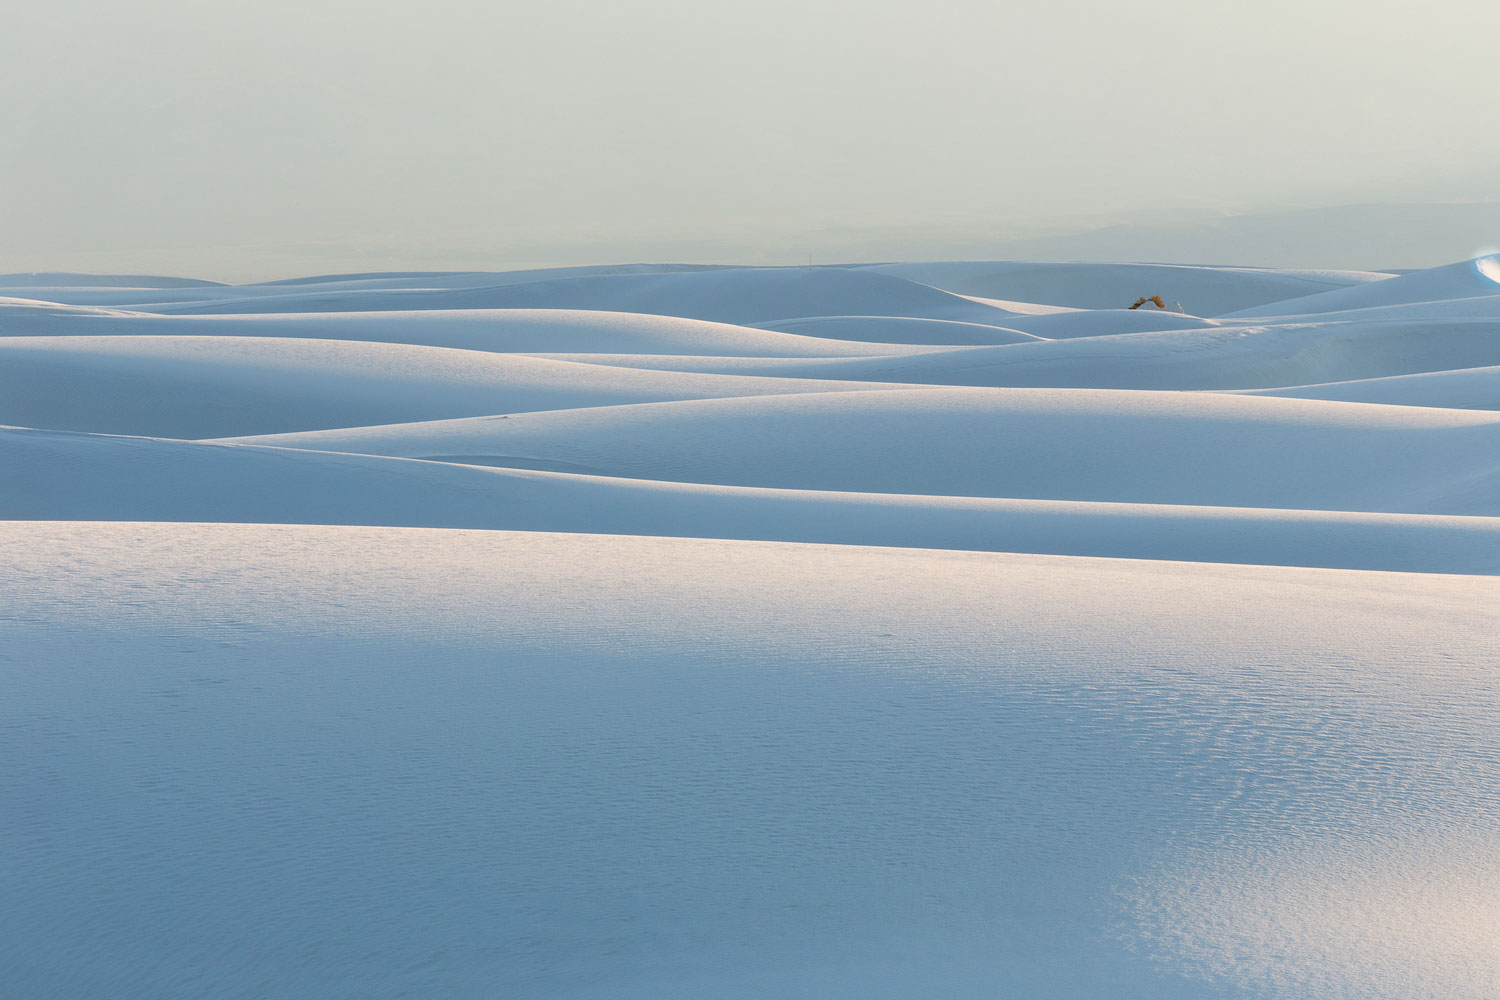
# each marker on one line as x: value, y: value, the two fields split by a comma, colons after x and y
x: 1133, y: 447
x: 105, y: 478
x: 195, y: 387
x: 668, y: 630
x: 378, y: 761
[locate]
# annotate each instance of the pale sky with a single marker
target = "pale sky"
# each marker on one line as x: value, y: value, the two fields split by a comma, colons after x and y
x: 209, y: 137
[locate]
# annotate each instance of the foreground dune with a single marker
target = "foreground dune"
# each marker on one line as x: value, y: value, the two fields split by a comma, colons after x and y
x: 670, y: 631
x: 374, y: 761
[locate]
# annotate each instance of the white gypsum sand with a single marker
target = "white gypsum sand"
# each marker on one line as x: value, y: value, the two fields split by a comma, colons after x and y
x: 659, y: 630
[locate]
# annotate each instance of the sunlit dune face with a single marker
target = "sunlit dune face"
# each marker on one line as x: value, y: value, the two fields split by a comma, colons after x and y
x: 1378, y: 916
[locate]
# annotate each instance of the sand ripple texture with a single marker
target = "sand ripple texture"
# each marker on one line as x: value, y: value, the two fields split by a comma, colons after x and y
x: 931, y: 629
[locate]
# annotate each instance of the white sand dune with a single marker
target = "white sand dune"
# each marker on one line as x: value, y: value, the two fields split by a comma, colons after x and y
x: 1131, y: 447
x: 1463, y: 389
x: 498, y: 330
x: 1106, y: 323
x: 473, y: 279
x: 60, y: 280
x: 734, y: 295
x: 530, y: 764
x: 789, y: 368
x: 128, y: 296
x: 1042, y: 324
x: 666, y: 630
x: 1483, y: 306
x: 1204, y: 291
x: 899, y: 330
x: 196, y: 387
x: 1216, y: 357
x: 99, y: 477
x: 118, y: 290
x: 1478, y: 277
